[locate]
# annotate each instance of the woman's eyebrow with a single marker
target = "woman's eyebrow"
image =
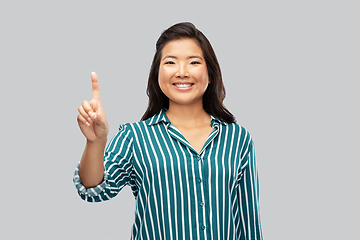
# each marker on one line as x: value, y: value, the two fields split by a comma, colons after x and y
x: 170, y: 56
x: 195, y: 57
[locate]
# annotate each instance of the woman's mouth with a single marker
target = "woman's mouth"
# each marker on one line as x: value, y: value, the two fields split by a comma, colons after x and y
x: 183, y: 86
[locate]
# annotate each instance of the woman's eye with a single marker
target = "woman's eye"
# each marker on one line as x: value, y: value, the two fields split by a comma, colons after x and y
x: 169, y: 62
x: 194, y: 63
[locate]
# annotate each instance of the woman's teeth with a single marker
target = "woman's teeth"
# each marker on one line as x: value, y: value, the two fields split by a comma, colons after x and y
x: 183, y: 85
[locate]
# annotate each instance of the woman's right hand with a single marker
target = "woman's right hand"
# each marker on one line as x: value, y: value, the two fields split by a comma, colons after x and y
x: 91, y: 119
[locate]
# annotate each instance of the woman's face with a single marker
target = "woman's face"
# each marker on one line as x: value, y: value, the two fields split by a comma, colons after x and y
x: 183, y: 75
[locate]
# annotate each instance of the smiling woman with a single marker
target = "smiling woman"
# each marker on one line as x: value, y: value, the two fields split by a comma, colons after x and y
x: 190, y: 166
x: 183, y: 75
x: 215, y: 93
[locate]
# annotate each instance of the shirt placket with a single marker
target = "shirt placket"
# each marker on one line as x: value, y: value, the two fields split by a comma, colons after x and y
x: 201, y: 181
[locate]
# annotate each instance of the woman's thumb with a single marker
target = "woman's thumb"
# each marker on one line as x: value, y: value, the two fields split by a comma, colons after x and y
x: 94, y: 116
x: 97, y: 118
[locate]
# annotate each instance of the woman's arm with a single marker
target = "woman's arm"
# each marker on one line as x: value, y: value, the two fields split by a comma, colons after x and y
x: 93, y: 124
x: 249, y: 192
x: 91, y: 168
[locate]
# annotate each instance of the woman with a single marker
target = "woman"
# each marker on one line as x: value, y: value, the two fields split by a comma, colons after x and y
x: 191, y: 168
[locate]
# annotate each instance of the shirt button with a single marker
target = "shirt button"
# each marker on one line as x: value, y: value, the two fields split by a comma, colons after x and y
x: 200, y: 181
x: 199, y: 158
x: 203, y: 227
x: 202, y: 204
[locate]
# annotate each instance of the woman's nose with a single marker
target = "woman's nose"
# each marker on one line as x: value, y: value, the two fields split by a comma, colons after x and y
x: 182, y: 71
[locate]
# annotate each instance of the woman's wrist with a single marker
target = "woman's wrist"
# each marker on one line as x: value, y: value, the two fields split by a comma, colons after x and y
x: 97, y: 142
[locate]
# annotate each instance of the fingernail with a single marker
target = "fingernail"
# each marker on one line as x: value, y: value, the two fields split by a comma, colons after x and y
x: 95, y: 115
x: 87, y: 124
x: 89, y: 120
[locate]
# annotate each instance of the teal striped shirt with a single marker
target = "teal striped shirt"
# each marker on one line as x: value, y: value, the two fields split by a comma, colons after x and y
x: 180, y: 193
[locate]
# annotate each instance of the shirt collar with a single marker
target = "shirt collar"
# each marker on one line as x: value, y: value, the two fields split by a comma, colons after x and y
x: 215, y: 121
x: 161, y: 117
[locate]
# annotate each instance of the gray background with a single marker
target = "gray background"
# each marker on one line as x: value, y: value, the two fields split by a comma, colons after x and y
x: 291, y: 71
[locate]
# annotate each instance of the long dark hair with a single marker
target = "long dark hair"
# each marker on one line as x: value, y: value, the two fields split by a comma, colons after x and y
x: 215, y: 92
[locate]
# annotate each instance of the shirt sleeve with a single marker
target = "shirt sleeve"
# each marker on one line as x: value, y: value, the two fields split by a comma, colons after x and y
x: 249, y: 196
x: 118, y: 169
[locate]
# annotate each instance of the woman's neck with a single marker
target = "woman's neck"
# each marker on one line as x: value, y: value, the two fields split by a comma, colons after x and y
x: 187, y: 115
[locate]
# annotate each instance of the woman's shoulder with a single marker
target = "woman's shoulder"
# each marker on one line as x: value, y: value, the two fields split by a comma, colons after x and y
x: 131, y: 125
x: 244, y: 137
x: 237, y: 125
x: 241, y: 131
x: 231, y: 125
x: 140, y: 124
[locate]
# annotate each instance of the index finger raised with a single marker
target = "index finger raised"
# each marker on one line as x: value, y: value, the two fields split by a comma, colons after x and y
x: 95, y: 86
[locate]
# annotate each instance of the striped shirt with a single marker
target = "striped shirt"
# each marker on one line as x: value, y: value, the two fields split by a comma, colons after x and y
x: 180, y: 193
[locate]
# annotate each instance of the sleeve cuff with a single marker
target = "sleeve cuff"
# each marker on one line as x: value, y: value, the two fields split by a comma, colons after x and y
x: 90, y: 192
